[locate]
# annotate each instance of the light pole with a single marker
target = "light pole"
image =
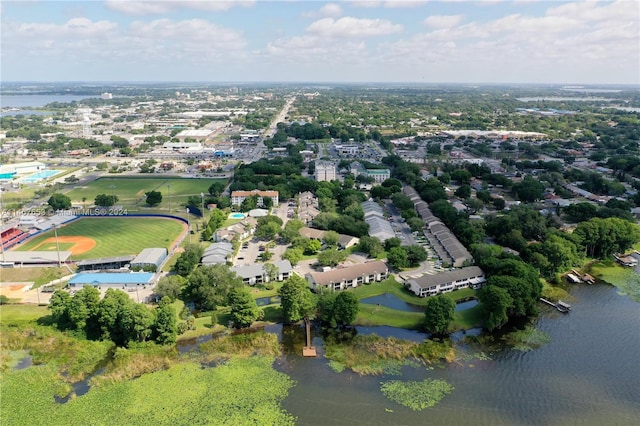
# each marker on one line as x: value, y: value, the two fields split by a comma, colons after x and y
x: 203, y: 218
x: 55, y: 232
x: 188, y: 226
x: 169, y: 190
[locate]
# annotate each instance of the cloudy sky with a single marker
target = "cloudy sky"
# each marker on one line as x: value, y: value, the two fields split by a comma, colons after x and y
x: 493, y: 41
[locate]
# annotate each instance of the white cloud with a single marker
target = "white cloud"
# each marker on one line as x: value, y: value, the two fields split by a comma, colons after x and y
x: 388, y: 4
x: 352, y: 27
x: 569, y: 41
x: 329, y: 10
x: 143, y: 8
x: 84, y: 40
x: 443, y: 21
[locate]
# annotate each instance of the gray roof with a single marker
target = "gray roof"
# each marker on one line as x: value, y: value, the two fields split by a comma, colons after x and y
x: 150, y: 256
x: 216, y: 253
x: 427, y: 281
x: 102, y: 260
x: 35, y: 256
x: 349, y: 273
x: 248, y: 271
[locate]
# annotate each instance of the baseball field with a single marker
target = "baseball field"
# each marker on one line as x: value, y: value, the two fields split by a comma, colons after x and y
x: 131, y: 190
x: 91, y: 238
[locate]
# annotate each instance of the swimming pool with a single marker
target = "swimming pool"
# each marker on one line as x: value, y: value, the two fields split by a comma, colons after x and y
x: 236, y: 216
x: 42, y: 174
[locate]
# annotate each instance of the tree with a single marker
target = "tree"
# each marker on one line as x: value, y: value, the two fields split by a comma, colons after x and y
x: 169, y: 286
x: 244, y: 310
x: 331, y: 257
x: 216, y: 188
x: 293, y: 255
x: 188, y: 259
x: 392, y: 242
x: 331, y: 238
x: 415, y: 254
x: 296, y: 300
x: 59, y: 201
x: 345, y: 308
x: 415, y: 223
x: 397, y: 257
x: 292, y: 229
x: 312, y: 247
x: 370, y: 245
x: 209, y: 286
x: 153, y: 198
x: 267, y: 231
x: 165, y: 327
x: 529, y: 190
x: 495, y: 302
x: 104, y: 200
x: 439, y: 312
x: 463, y: 191
x: 83, y: 308
x: 59, y: 305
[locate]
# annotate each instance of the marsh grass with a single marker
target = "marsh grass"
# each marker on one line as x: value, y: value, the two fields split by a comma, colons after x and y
x: 372, y: 355
x: 528, y: 339
x: 416, y: 395
x: 242, y: 345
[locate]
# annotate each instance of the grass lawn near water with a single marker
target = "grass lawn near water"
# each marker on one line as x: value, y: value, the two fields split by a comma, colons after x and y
x: 116, y: 236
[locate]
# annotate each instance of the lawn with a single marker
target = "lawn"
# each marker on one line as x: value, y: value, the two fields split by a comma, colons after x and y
x: 390, y: 285
x: 131, y: 190
x: 116, y: 236
x: 38, y: 275
x: 12, y: 314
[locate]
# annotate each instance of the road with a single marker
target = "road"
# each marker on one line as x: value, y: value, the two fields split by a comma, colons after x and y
x: 260, y: 149
x: 402, y: 229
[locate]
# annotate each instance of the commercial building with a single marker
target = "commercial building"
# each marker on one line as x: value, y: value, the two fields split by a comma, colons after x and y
x: 112, y: 279
x: 149, y: 258
x: 325, y: 171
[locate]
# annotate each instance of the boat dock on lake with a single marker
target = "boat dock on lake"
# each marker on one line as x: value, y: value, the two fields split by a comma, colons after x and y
x: 560, y: 305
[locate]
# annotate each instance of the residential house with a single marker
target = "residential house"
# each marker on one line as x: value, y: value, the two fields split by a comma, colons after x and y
x: 348, y: 277
x: 237, y: 197
x: 430, y: 285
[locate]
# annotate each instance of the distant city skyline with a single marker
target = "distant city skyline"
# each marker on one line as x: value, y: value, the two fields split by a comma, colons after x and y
x: 521, y: 41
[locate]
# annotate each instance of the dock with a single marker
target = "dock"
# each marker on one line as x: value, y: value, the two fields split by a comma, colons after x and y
x: 560, y: 305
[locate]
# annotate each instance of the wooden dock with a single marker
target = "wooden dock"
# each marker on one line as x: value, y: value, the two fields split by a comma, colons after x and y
x: 560, y: 305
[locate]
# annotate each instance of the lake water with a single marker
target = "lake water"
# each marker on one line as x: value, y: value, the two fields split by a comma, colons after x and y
x: 37, y: 101
x: 589, y: 375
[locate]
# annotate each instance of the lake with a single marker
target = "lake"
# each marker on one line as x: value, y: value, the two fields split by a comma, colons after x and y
x: 589, y: 374
x: 37, y: 101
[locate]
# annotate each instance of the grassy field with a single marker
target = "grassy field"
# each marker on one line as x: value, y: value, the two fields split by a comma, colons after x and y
x: 390, y: 285
x: 130, y: 190
x: 38, y: 275
x: 116, y: 236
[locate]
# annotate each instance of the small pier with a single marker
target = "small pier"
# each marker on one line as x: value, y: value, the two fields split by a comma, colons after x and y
x: 560, y: 305
x: 308, y: 351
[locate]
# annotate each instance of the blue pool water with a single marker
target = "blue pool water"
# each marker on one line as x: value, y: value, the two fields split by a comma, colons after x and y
x: 236, y: 216
x: 43, y: 174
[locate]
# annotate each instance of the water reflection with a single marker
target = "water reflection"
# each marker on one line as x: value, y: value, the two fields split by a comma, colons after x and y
x: 391, y: 301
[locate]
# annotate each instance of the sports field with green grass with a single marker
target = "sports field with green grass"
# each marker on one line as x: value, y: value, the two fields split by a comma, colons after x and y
x: 131, y: 190
x: 113, y: 236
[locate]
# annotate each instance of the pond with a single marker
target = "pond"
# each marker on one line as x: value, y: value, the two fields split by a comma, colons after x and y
x: 263, y: 301
x: 391, y: 301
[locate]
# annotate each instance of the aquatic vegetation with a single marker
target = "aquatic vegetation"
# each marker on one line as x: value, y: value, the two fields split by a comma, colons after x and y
x: 416, y: 395
x: 528, y: 339
x: 241, y: 392
x: 373, y: 354
x: 336, y: 366
x: 241, y: 345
